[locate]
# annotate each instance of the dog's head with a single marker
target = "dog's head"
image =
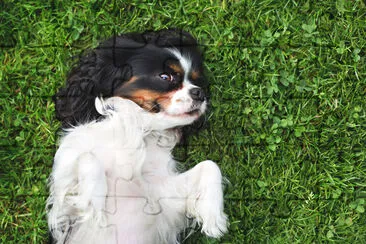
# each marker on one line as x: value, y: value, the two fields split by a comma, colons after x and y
x: 160, y: 71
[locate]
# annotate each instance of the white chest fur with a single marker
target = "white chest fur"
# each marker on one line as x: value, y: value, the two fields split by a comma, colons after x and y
x: 115, y: 182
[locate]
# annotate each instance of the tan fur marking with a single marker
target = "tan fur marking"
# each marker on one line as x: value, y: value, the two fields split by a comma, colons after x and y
x: 177, y: 68
x: 131, y: 80
x: 147, y: 99
x: 195, y: 75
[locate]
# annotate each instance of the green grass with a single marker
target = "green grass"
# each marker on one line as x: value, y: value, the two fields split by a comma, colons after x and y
x: 287, y: 127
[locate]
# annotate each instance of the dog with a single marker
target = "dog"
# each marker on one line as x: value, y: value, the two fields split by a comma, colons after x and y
x: 125, y: 106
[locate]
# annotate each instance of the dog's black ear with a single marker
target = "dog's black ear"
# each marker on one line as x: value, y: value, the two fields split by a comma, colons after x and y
x: 74, y: 104
x: 98, y: 73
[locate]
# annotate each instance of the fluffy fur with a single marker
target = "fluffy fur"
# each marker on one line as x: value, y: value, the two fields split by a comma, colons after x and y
x: 114, y: 179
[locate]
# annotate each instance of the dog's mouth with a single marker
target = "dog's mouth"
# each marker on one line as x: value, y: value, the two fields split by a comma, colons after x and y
x: 193, y: 113
x: 195, y: 110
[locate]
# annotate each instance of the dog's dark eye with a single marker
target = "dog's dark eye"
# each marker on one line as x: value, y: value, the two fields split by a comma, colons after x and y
x: 173, y: 77
x: 166, y: 77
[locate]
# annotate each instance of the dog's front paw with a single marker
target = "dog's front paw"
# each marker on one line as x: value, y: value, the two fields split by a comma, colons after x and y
x: 214, y: 224
x: 207, y: 203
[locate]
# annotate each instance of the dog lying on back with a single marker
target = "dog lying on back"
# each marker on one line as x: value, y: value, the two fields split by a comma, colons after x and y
x: 124, y: 108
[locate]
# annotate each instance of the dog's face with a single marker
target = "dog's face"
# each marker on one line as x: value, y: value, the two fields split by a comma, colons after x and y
x: 160, y: 71
x: 165, y: 80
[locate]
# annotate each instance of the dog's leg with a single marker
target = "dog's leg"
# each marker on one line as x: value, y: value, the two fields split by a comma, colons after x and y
x: 202, y: 187
x: 92, y: 183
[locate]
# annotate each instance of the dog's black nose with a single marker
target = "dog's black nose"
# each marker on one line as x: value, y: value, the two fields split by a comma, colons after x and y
x: 197, y: 94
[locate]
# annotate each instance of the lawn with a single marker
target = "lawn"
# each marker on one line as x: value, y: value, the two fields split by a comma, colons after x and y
x: 287, y: 124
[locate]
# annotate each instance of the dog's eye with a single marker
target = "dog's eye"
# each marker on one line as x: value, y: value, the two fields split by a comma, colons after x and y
x: 173, y: 77
x: 166, y: 77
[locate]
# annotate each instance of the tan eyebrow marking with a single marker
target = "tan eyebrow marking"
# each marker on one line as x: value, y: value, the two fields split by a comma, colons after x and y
x: 195, y: 75
x: 177, y: 68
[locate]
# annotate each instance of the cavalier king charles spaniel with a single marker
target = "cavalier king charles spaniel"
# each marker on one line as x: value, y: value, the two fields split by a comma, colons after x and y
x: 125, y: 106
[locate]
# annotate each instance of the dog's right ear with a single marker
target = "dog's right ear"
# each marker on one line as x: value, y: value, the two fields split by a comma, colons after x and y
x: 74, y: 104
x: 98, y: 74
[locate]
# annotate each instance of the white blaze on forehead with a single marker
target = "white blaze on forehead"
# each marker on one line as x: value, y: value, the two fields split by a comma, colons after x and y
x: 184, y: 61
x: 182, y: 102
